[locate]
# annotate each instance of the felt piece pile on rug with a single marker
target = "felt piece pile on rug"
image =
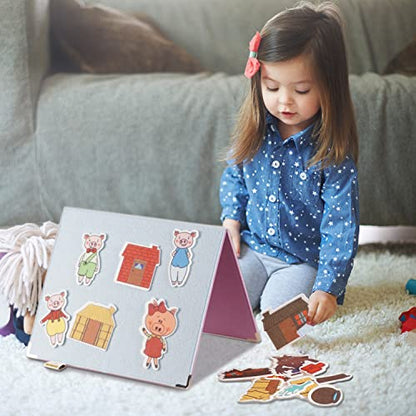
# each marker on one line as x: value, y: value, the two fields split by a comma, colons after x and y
x: 289, y: 377
x: 363, y: 339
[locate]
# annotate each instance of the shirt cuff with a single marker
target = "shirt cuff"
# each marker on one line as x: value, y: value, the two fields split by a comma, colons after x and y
x: 328, y: 285
x: 233, y: 214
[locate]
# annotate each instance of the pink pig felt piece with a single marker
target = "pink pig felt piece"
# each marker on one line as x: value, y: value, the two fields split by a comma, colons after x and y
x: 56, y: 319
x: 159, y: 323
x: 181, y: 260
x: 89, y: 262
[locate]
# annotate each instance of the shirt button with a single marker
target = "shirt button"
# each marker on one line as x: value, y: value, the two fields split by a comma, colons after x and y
x: 303, y: 176
x: 271, y: 231
x: 275, y: 164
x: 272, y: 198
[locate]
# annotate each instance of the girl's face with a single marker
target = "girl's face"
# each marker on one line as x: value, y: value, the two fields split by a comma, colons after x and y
x: 290, y: 93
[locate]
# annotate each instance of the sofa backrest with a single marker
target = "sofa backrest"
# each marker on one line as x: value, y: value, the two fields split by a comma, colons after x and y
x: 217, y: 32
x: 24, y: 61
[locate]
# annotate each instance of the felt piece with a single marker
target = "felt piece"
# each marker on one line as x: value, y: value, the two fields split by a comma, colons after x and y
x: 94, y: 325
x: 56, y: 318
x: 138, y: 265
x: 89, y: 263
x: 103, y: 40
x: 159, y: 322
x: 181, y: 256
x: 285, y: 366
x: 404, y: 62
x: 290, y: 377
x: 287, y: 323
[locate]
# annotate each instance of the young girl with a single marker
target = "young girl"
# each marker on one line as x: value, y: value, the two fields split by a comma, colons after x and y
x: 290, y: 191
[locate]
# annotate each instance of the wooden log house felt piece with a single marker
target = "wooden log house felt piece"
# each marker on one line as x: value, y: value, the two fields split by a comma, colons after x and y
x: 287, y: 323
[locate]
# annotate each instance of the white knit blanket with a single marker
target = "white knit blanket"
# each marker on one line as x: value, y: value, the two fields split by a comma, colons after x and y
x: 363, y: 339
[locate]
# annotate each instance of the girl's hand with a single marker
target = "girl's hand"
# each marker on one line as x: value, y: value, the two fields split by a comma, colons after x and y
x: 322, y: 306
x: 233, y: 227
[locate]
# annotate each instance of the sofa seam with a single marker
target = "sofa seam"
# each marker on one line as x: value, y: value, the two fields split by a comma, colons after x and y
x: 33, y: 106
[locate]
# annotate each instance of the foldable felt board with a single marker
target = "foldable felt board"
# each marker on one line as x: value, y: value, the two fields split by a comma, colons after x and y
x: 130, y: 296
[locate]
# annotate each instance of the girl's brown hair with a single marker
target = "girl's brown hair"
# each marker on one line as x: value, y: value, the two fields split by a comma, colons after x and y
x: 317, y: 33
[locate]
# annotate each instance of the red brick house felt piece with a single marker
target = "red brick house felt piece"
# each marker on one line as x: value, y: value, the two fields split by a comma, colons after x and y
x: 138, y: 265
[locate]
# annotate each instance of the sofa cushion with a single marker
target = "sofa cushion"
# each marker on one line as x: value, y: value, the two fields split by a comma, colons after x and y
x: 151, y: 144
x: 144, y: 144
x: 404, y: 62
x: 384, y: 107
x: 103, y: 40
x: 217, y: 32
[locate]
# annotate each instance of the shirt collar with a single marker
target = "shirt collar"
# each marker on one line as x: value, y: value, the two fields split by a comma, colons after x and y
x: 300, y: 138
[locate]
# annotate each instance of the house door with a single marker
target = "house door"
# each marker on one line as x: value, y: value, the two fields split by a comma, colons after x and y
x: 92, y: 332
x: 137, y: 272
x: 289, y: 329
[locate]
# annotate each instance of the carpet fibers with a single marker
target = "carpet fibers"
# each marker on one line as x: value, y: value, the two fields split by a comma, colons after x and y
x: 362, y: 339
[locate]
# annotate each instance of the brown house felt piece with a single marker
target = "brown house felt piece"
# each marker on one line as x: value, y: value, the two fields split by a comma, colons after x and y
x: 282, y: 324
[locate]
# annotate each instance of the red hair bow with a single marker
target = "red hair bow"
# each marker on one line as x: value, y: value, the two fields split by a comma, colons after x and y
x: 154, y: 307
x: 253, y: 63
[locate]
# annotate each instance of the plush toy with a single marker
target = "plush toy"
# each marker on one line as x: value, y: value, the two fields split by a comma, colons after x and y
x: 408, y: 320
x: 27, y: 249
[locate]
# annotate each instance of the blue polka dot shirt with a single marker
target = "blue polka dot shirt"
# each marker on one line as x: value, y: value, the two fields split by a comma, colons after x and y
x: 295, y: 213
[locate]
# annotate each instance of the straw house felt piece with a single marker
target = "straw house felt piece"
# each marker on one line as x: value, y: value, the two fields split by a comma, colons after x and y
x: 94, y: 325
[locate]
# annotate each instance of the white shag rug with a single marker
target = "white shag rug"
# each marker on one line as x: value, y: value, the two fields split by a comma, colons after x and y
x: 363, y: 339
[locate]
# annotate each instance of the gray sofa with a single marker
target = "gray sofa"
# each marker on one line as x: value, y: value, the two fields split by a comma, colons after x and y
x: 150, y: 144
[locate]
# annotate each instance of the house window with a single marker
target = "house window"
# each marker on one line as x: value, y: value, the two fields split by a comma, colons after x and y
x: 138, y: 266
x: 301, y: 317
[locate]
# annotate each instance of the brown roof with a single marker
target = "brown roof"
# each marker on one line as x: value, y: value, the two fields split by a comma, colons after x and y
x: 272, y: 318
